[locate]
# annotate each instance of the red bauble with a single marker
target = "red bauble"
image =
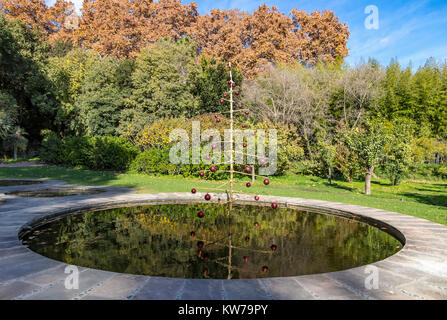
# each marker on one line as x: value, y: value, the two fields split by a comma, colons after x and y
x: 247, y: 238
x: 262, y: 161
x: 207, y: 197
x: 247, y: 169
x: 236, y: 93
x: 229, y: 82
x: 274, y: 205
x: 273, y: 247
x: 256, y: 198
x: 256, y: 224
x: 199, y: 253
x: 201, y: 173
x: 206, y: 256
x: 245, y: 258
x: 213, y: 169
x: 222, y: 101
x: 200, y: 244
x: 225, y: 95
x: 201, y: 214
x: 248, y: 184
x: 214, y: 146
x: 216, y: 116
x: 246, y: 112
x: 266, y: 181
x: 244, y: 145
x: 240, y: 106
x: 218, y: 120
x: 208, y: 157
x: 233, y: 84
x: 244, y: 125
x: 205, y: 271
x: 265, y: 269
x: 193, y: 190
x: 193, y: 234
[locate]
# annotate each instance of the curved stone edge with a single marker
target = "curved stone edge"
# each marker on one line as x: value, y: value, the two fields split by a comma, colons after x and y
x: 418, y: 271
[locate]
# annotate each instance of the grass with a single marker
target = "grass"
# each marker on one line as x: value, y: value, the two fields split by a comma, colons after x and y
x: 424, y: 199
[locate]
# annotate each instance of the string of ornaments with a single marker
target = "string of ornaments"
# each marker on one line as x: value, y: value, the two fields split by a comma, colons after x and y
x: 229, y: 97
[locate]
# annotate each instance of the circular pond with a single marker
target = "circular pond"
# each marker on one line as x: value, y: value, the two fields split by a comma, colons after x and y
x: 55, y: 192
x: 171, y: 240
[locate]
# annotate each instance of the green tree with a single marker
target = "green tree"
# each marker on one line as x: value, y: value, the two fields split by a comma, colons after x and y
x: 16, y: 141
x: 399, y: 150
x: 210, y: 85
x: 163, y: 76
x: 368, y: 143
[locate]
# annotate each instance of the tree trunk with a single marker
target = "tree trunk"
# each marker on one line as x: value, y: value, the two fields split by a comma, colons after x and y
x: 329, y: 176
x: 369, y: 173
x: 15, y: 152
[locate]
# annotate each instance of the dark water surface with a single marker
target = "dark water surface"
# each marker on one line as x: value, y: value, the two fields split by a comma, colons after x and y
x: 171, y: 240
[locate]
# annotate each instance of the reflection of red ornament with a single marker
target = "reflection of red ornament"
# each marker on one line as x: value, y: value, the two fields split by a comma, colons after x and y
x: 216, y: 116
x: 246, y: 112
x: 256, y: 224
x: 247, y: 238
x: 222, y: 101
x: 193, y: 190
x: 265, y: 269
x: 208, y: 157
x: 274, y: 205
x: 206, y: 256
x: 240, y: 105
x: 207, y: 197
x: 247, y: 169
x: 218, y: 120
x: 262, y: 161
x: 200, y: 244
x: 201, y: 173
x: 236, y: 93
x: 199, y: 253
x: 243, y: 125
x: 213, y: 169
x: 266, y: 181
x: 205, y: 271
x: 193, y: 234
x: 201, y: 214
x: 214, y: 146
x: 256, y: 198
x: 273, y: 247
x: 245, y: 258
x: 248, y: 184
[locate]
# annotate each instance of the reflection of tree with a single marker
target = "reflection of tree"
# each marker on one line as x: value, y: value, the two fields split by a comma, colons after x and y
x: 156, y: 240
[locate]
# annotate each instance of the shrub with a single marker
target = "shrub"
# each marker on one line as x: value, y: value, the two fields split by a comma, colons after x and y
x: 110, y: 153
x: 98, y: 153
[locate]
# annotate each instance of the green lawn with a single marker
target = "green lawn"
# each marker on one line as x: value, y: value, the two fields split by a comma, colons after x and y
x: 423, y: 199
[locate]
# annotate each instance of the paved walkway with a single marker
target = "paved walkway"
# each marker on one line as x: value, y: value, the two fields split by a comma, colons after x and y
x: 418, y: 271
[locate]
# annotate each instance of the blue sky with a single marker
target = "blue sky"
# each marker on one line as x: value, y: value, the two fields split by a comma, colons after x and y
x: 410, y: 31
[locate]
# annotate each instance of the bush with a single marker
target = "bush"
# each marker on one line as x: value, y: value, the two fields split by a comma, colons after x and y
x: 110, y: 153
x: 98, y: 153
x: 154, y: 161
x: 51, y: 147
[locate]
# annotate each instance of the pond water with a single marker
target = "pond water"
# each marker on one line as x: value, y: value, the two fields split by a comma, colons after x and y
x: 171, y: 240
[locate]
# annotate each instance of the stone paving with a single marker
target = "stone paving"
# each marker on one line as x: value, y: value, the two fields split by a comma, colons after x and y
x: 418, y: 271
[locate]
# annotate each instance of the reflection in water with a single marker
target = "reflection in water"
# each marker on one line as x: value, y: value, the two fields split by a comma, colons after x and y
x: 172, y: 240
